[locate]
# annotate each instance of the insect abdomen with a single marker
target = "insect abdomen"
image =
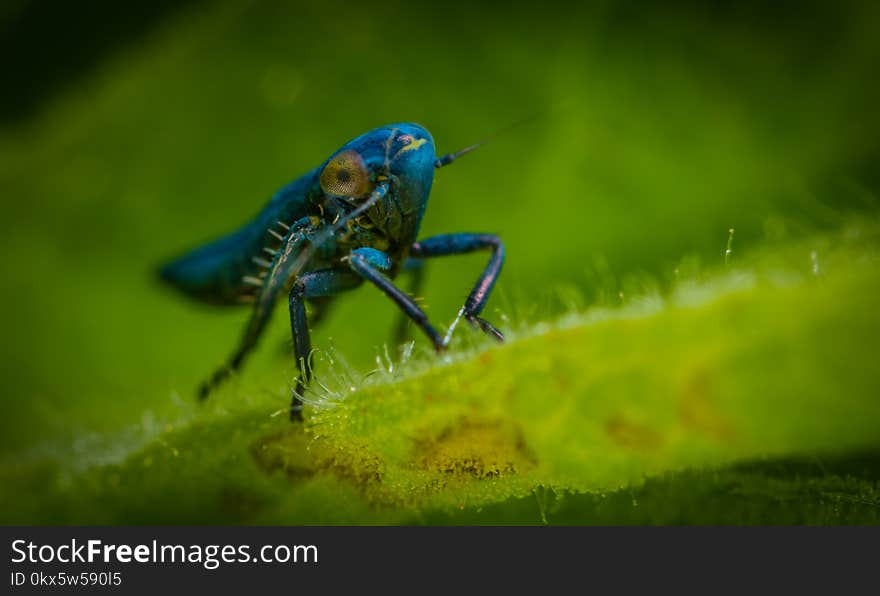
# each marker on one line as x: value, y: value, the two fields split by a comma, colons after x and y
x: 216, y: 272
x: 212, y: 272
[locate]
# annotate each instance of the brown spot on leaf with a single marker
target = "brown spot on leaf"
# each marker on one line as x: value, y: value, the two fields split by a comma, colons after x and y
x: 299, y: 456
x: 631, y: 435
x: 697, y: 411
x: 477, y: 448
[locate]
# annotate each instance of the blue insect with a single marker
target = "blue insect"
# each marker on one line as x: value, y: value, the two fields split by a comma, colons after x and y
x: 355, y: 217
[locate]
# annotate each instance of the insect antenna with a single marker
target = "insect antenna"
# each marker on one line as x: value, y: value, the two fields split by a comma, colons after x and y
x: 445, y: 160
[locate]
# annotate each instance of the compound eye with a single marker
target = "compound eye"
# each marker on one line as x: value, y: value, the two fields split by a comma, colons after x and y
x: 346, y: 175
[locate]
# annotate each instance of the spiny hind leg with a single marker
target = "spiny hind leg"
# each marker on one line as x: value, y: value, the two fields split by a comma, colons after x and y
x: 455, y: 244
x: 318, y: 284
x: 415, y: 268
x: 271, y: 284
x: 259, y: 317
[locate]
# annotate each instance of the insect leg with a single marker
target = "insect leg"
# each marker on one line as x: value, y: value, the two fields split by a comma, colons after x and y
x: 258, y: 320
x: 317, y: 284
x: 274, y: 282
x: 368, y: 262
x: 454, y: 244
x: 318, y: 309
x: 416, y: 270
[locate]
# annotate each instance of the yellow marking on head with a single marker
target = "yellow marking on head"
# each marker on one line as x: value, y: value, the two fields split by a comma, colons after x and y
x: 415, y: 144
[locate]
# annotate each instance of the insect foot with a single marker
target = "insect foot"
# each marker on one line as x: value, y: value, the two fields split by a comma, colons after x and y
x: 216, y: 379
x: 487, y: 327
x: 476, y: 322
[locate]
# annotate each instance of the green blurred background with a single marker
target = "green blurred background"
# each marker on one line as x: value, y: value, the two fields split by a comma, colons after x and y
x: 129, y: 135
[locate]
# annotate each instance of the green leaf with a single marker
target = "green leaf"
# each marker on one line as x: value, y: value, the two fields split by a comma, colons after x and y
x: 648, y: 412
